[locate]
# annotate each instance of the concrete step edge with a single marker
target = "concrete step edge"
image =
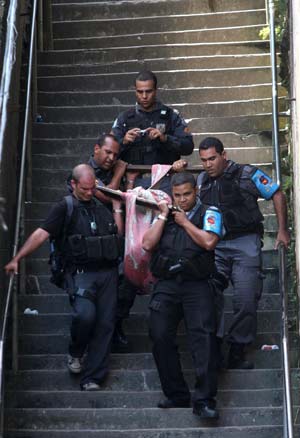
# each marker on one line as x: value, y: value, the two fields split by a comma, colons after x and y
x: 180, y: 105
x: 218, y: 87
x: 219, y: 43
x: 200, y: 14
x: 168, y: 32
x: 196, y: 70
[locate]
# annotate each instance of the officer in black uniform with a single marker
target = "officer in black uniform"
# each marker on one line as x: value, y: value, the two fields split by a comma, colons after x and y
x: 183, y: 262
x: 90, y: 249
x: 234, y: 189
x: 149, y: 133
x: 109, y: 170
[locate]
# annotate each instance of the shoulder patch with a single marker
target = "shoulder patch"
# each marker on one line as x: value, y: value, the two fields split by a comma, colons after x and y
x: 264, y: 184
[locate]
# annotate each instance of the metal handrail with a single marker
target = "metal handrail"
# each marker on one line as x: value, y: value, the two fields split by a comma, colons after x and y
x: 287, y: 399
x: 11, y: 293
x: 6, y: 81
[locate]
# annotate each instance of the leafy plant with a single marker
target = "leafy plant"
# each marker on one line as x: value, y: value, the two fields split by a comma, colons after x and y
x: 280, y: 21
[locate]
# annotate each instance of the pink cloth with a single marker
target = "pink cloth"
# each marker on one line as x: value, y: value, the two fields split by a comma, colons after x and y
x: 138, y: 221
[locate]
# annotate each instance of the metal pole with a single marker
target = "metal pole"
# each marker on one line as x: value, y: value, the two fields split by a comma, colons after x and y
x: 22, y: 169
x: 40, y: 27
x: 274, y: 91
x: 285, y: 343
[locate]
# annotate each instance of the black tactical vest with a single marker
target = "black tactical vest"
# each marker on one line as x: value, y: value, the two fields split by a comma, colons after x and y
x: 91, y: 237
x: 143, y: 150
x: 239, y: 207
x: 177, y: 253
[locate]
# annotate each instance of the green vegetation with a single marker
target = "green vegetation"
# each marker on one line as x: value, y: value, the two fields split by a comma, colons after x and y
x: 280, y: 21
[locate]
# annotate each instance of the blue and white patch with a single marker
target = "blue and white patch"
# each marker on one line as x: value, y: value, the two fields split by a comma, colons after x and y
x: 213, y: 221
x: 264, y: 184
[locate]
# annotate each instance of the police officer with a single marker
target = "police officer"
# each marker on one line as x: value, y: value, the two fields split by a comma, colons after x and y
x: 90, y: 252
x: 149, y: 133
x: 234, y: 189
x: 109, y: 170
x: 183, y: 261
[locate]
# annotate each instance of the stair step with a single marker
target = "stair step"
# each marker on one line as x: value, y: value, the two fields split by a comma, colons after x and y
x: 146, y: 380
x: 102, y: 113
x: 91, y: 27
x: 145, y: 361
x: 138, y: 343
x: 183, y: 63
x: 92, y: 56
x: 76, y: 419
x: 121, y: 399
x: 168, y: 96
x: 193, y: 77
x: 209, y: 432
x: 120, y: 9
x: 154, y: 38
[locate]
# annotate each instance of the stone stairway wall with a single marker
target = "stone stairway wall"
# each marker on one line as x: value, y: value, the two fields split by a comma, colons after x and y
x: 212, y: 66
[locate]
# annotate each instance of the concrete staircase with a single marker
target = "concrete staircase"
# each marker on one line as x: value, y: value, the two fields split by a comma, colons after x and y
x: 212, y: 66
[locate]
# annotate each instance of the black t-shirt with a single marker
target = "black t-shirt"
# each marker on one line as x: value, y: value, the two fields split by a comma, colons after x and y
x: 54, y: 222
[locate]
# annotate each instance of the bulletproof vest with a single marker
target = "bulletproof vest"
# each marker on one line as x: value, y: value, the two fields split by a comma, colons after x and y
x: 143, y: 150
x: 239, y: 207
x: 91, y: 237
x: 177, y: 253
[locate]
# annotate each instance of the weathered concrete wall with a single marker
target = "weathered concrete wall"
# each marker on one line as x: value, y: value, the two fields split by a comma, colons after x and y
x: 295, y: 106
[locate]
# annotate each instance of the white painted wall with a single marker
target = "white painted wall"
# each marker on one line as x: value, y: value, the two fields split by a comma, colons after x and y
x: 295, y: 108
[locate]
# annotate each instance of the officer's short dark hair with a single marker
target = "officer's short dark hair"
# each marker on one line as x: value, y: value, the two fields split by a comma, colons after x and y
x: 211, y: 142
x: 182, y: 178
x: 146, y: 75
x: 103, y: 137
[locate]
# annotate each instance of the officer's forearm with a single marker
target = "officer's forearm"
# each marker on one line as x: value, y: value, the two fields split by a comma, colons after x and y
x: 205, y: 239
x: 153, y: 235
x: 33, y: 242
x: 115, y: 181
x: 280, y: 207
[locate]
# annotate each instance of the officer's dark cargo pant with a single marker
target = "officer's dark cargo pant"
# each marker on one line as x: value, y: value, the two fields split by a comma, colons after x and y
x: 93, y: 321
x: 192, y: 301
x: 240, y: 261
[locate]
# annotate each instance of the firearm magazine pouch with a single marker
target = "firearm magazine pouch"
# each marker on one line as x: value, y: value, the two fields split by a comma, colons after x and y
x: 110, y: 247
x: 159, y: 265
x: 77, y: 246
x: 94, y: 248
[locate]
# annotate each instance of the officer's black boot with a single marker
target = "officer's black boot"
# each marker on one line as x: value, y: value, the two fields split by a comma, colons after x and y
x: 120, y: 339
x: 206, y: 409
x: 236, y: 358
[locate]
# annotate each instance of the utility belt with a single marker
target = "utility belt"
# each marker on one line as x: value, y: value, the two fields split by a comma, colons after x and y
x: 199, y: 267
x: 94, y: 249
